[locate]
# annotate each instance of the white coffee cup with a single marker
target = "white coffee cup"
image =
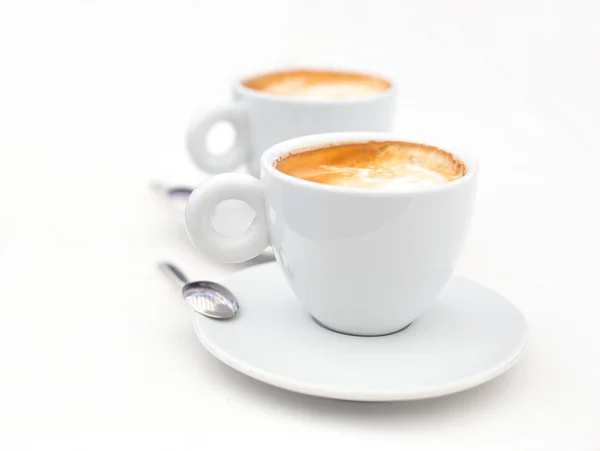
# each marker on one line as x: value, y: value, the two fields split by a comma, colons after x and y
x: 262, y: 120
x: 361, y: 261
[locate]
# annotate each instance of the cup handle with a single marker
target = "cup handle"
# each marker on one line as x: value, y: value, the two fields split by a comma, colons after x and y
x: 197, y: 132
x: 198, y: 213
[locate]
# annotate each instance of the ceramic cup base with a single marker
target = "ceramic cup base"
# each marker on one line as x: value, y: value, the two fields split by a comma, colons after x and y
x: 332, y: 329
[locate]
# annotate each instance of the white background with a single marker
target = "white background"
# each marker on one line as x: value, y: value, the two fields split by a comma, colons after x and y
x: 96, y: 349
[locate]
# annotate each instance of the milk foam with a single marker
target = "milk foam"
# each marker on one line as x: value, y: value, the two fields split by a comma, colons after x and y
x: 385, y: 165
x: 318, y: 84
x: 323, y: 91
x: 392, y: 177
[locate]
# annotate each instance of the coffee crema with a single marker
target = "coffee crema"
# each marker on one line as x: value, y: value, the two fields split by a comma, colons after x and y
x: 318, y: 84
x: 380, y: 165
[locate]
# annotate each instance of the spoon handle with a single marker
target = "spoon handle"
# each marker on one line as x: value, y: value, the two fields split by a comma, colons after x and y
x: 173, y: 273
x: 173, y: 192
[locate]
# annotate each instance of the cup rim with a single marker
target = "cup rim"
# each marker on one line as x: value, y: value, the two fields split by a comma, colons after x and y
x: 239, y: 87
x: 309, y: 142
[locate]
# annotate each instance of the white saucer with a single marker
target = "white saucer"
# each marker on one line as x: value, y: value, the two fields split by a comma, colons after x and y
x: 470, y: 336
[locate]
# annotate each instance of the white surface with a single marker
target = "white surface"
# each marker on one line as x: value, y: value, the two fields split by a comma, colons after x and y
x: 468, y: 337
x: 361, y: 261
x: 94, y: 101
x: 262, y: 120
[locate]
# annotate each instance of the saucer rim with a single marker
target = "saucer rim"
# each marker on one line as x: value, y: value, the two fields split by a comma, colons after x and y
x: 321, y: 391
x: 374, y: 395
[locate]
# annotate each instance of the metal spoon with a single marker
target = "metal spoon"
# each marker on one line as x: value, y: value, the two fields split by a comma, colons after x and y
x: 172, y: 192
x: 207, y: 298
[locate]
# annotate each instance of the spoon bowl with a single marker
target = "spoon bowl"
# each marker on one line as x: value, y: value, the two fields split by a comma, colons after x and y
x: 207, y: 298
x: 210, y: 299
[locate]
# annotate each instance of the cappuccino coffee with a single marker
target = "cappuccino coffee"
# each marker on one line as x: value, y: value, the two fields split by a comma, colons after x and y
x: 318, y: 84
x: 387, y: 165
x: 368, y: 248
